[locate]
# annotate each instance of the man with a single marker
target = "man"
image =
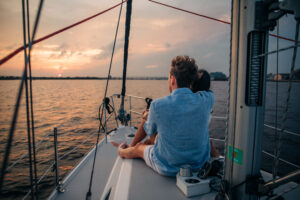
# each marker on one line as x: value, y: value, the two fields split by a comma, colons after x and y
x: 181, y: 119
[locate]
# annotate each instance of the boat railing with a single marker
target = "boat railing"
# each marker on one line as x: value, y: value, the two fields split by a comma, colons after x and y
x: 54, y: 165
x: 217, y: 117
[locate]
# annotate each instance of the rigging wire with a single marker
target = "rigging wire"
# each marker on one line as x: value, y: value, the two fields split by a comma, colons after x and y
x: 17, y: 105
x: 275, y: 51
x: 31, y: 101
x: 212, y: 18
x: 18, y: 50
x: 104, y: 106
x: 113, y: 50
x: 26, y: 60
x: 284, y: 118
x: 276, y: 99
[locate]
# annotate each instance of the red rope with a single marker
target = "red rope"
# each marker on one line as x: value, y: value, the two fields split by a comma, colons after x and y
x: 15, y: 52
x: 215, y: 19
x: 193, y: 13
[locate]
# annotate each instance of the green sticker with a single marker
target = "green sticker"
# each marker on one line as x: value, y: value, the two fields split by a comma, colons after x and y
x: 237, y: 155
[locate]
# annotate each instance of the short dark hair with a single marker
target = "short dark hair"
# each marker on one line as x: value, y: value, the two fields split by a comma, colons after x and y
x: 184, y: 69
x: 202, y: 82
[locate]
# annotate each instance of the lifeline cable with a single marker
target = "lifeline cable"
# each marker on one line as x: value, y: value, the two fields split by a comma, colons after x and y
x: 284, y: 118
x: 16, y: 110
x: 89, y: 193
x: 18, y: 50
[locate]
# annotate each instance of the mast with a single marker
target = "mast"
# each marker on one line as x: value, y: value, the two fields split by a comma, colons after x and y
x: 122, y: 114
x: 251, y: 21
x: 247, y: 95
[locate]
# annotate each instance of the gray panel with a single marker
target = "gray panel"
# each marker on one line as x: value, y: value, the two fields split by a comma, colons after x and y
x: 147, y: 184
x: 78, y: 186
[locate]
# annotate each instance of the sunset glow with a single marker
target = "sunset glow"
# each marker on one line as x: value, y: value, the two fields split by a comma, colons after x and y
x: 157, y: 35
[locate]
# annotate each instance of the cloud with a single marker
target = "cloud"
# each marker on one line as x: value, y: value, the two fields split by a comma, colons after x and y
x: 163, y: 23
x: 107, y: 49
x: 151, y: 66
x: 92, y: 52
x: 167, y: 45
x: 51, y: 46
x: 226, y: 17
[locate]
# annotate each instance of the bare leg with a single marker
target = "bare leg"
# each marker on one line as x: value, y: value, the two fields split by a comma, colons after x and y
x: 136, y: 151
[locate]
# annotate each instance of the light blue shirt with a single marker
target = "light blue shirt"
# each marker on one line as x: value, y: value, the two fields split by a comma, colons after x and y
x: 181, y: 121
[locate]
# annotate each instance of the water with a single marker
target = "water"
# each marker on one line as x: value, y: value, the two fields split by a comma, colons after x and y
x: 72, y: 107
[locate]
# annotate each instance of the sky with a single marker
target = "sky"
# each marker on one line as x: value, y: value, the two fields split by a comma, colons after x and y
x: 157, y: 35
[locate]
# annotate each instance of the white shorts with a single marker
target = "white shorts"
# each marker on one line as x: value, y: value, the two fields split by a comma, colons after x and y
x: 148, y: 158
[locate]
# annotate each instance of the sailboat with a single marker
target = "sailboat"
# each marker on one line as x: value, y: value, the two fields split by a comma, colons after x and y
x: 102, y: 174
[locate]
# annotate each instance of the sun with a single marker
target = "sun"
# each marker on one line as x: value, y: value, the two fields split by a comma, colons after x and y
x: 59, y: 75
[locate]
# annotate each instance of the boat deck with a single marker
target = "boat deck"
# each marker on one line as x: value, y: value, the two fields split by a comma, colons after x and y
x: 117, y: 178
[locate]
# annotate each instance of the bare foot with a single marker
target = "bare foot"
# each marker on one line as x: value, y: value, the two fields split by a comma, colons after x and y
x: 123, y: 145
x: 115, y: 144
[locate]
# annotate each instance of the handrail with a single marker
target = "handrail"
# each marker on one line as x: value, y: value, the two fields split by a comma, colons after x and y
x: 128, y: 95
x: 266, y: 125
x: 59, y: 158
x: 285, y: 131
x: 26, y: 154
x: 136, y: 112
x: 213, y: 116
x: 285, y: 161
x: 269, y: 154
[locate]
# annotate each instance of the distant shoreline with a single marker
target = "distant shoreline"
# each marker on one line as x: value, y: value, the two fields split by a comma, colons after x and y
x: 82, y: 78
x: 105, y: 78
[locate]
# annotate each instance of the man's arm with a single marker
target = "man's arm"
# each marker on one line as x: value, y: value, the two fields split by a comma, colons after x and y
x: 140, y: 134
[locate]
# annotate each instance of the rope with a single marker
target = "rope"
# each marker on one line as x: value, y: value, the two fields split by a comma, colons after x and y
x: 16, y: 111
x: 190, y: 12
x: 284, y: 118
x: 89, y: 193
x: 113, y: 50
x: 18, y: 50
x: 215, y: 19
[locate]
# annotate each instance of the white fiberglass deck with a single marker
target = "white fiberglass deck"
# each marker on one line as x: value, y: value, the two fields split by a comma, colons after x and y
x: 117, y: 178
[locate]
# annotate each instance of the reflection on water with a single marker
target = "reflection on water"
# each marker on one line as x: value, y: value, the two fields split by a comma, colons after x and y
x: 72, y: 107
